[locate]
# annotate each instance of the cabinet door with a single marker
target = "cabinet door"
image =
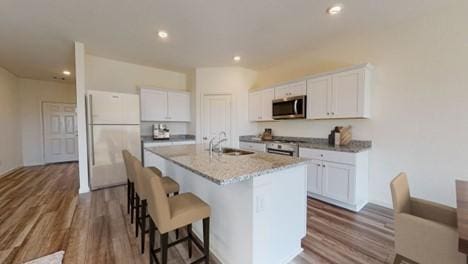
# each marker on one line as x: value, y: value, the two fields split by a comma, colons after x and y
x: 153, y: 105
x: 255, y: 106
x: 348, y: 94
x: 338, y: 181
x: 290, y: 90
x: 267, y: 97
x: 178, y: 104
x: 318, y: 98
x: 314, y: 177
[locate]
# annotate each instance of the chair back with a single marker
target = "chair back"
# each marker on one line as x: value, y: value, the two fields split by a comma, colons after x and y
x: 158, y: 203
x: 128, y: 165
x: 139, y: 182
x: 401, y: 194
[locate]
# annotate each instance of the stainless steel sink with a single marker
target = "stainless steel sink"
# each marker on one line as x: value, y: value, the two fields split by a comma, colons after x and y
x: 235, y: 152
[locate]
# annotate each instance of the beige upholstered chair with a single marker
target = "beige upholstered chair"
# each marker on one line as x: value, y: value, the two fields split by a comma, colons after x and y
x: 425, y: 232
x: 139, y: 195
x: 130, y: 183
x: 170, y: 213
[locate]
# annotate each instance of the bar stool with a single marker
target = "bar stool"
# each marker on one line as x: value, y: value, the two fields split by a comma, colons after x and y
x: 130, y: 183
x: 169, y: 186
x: 170, y: 213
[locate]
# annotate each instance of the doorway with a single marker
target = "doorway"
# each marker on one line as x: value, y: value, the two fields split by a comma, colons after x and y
x: 216, y: 117
x: 60, y: 132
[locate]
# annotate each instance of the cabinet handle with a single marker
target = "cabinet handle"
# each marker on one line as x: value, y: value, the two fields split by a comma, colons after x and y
x: 321, y: 155
x: 205, y: 138
x: 333, y: 113
x: 323, y: 166
x: 328, y: 113
x: 318, y: 165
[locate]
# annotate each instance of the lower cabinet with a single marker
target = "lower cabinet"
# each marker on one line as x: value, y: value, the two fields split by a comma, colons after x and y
x: 338, y: 178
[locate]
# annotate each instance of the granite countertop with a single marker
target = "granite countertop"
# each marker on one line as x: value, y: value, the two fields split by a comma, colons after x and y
x: 173, y: 138
x: 354, y: 146
x: 225, y: 169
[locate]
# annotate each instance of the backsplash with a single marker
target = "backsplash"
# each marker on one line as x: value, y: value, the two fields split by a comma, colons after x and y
x: 174, y: 128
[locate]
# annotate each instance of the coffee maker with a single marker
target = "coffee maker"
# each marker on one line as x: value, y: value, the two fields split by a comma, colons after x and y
x: 160, y: 131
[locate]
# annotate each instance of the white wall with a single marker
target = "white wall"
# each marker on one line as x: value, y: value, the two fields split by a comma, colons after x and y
x: 10, y: 127
x: 419, y: 102
x: 32, y: 94
x: 229, y: 80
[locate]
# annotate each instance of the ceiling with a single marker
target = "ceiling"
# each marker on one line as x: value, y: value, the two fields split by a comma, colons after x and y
x: 36, y: 37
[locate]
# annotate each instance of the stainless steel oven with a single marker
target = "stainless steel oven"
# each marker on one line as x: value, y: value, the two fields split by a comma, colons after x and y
x: 289, y: 108
x: 286, y: 149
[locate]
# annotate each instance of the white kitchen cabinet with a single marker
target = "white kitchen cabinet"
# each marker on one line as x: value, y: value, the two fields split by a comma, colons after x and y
x: 339, y: 178
x: 338, y: 181
x: 178, y: 105
x: 261, y: 105
x: 344, y: 94
x: 314, y: 176
x: 253, y: 146
x: 161, y: 105
x: 318, y: 97
x: 291, y: 90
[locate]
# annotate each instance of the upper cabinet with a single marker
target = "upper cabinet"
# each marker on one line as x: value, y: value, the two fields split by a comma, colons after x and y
x: 341, y: 95
x: 290, y: 90
x: 261, y: 104
x: 160, y: 105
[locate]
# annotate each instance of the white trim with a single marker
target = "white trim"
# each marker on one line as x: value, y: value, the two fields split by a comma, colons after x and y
x: 5, y: 173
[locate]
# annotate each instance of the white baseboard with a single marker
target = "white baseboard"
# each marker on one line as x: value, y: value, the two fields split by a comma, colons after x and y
x: 295, y: 254
x: 83, y: 189
x: 381, y: 203
x: 9, y: 171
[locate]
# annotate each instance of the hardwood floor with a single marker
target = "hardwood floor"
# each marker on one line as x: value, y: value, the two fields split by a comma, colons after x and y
x: 41, y: 213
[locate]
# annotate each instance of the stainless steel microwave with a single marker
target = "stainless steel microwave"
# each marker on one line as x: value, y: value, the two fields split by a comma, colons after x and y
x: 290, y: 108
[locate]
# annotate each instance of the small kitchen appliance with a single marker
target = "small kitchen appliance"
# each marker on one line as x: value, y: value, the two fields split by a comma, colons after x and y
x: 268, y: 134
x: 161, y: 131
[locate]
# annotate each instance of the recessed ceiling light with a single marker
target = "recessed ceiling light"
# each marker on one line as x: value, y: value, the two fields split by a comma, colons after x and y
x: 66, y: 72
x: 236, y: 58
x: 162, y: 34
x: 334, y: 10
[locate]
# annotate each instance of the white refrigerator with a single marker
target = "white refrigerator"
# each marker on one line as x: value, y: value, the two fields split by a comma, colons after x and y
x: 113, y: 125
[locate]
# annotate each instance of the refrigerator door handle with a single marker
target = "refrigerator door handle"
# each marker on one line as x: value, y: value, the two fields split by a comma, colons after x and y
x: 91, y: 129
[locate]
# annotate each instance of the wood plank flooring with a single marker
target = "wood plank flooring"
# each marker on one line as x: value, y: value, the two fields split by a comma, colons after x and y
x: 40, y: 213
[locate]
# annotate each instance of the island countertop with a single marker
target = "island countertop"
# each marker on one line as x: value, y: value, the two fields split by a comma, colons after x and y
x: 225, y: 169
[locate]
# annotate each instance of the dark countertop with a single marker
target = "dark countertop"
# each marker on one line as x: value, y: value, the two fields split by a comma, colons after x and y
x: 173, y: 138
x: 354, y: 146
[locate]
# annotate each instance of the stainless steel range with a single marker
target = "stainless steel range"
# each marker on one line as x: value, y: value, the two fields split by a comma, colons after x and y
x: 283, y: 148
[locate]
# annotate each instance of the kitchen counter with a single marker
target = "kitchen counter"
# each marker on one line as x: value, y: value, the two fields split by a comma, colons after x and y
x: 258, y: 201
x: 225, y: 169
x: 354, y: 146
x: 173, y: 138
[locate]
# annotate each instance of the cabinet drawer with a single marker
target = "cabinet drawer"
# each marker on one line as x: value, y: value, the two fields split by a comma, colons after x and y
x: 156, y: 144
x: 326, y: 155
x: 253, y: 146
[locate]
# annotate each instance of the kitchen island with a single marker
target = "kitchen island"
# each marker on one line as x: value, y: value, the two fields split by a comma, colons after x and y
x: 258, y: 201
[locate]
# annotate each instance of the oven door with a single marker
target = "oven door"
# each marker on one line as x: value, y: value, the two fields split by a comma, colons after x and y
x: 281, y: 152
x: 289, y: 108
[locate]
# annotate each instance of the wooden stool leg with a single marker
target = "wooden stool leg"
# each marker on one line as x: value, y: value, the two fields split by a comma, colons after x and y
x: 137, y: 222
x: 177, y: 233
x: 164, y: 240
x: 128, y: 196
x: 151, y: 234
x: 132, y: 202
x: 143, y: 225
x: 189, y: 241
x: 206, y: 239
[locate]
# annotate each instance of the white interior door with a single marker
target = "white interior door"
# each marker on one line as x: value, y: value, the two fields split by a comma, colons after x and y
x: 216, y: 117
x: 60, y: 132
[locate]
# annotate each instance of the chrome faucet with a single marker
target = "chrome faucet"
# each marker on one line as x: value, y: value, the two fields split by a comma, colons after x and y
x: 218, y: 144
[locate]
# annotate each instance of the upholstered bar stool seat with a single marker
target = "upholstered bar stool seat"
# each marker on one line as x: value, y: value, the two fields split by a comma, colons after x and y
x: 130, y: 183
x: 187, y: 208
x: 171, y: 213
x: 169, y: 185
